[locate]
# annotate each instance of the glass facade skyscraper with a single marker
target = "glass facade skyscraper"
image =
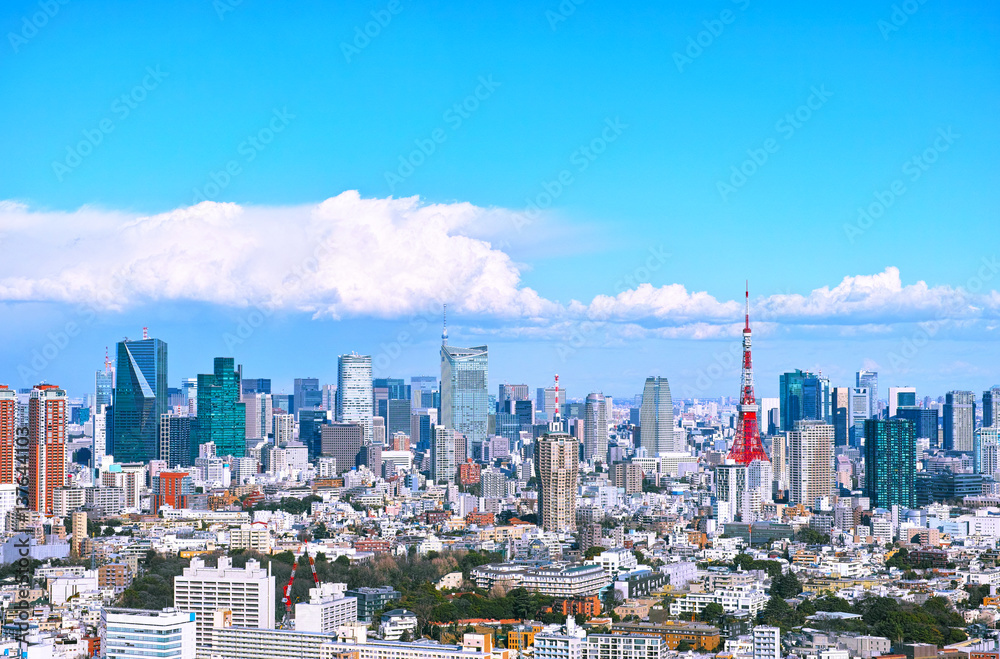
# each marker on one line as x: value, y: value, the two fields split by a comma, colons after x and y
x: 465, y: 398
x: 869, y: 380
x: 140, y: 399
x: 221, y: 416
x: 804, y: 396
x: 354, y: 392
x: 306, y: 395
x: 104, y: 388
x: 959, y: 412
x: 656, y: 417
x: 890, y: 462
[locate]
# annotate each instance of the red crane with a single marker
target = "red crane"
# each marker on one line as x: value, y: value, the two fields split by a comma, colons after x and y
x: 287, y: 598
x: 746, y: 445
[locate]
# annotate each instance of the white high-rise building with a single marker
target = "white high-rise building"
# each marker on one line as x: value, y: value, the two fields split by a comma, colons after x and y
x: 99, y: 434
x: 595, y: 428
x: 731, y: 490
x: 766, y: 643
x: 284, y: 428
x: 166, y: 634
x: 465, y: 399
x: 354, y: 392
x: 656, y: 417
x: 901, y: 396
x: 259, y: 409
x: 858, y: 411
x: 810, y: 462
x: 984, y: 450
x: 444, y: 465
x: 247, y: 592
x: 869, y: 380
x: 327, y: 609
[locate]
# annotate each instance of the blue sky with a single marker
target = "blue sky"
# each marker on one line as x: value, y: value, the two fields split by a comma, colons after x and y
x: 302, y: 110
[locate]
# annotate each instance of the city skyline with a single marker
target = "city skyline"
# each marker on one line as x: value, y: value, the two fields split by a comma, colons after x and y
x: 609, y: 235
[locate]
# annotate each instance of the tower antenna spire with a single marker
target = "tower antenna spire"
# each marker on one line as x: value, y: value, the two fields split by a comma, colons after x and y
x: 746, y: 444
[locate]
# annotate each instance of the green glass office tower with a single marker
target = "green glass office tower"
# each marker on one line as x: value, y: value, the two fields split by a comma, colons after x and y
x: 221, y: 416
x: 804, y: 396
x: 140, y: 399
x: 890, y: 462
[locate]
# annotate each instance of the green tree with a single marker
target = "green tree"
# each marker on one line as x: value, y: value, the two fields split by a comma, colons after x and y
x: 786, y: 586
x: 712, y: 612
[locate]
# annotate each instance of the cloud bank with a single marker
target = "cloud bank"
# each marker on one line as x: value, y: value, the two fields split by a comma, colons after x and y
x: 388, y: 258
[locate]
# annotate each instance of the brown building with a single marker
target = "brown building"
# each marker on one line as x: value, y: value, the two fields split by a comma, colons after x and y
x: 588, y: 606
x: 114, y: 575
x: 700, y: 636
x: 628, y: 476
x: 468, y: 473
x: 479, y: 519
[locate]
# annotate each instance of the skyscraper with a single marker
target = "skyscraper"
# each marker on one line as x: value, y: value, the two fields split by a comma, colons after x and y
x: 959, y: 413
x: 140, y: 399
x: 890, y: 462
x: 804, y: 395
x: 810, y: 462
x: 46, y: 445
x: 397, y: 416
x: 842, y: 422
x: 465, y: 397
x: 256, y: 386
x: 444, y: 461
x: 595, y: 429
x: 511, y: 393
x: 311, y: 424
x: 869, y: 380
x: 259, y: 410
x: 104, y: 387
x: 556, y: 465
x: 8, y: 433
x: 901, y: 397
x: 221, y: 416
x: 307, y: 395
x: 985, y: 450
x: 731, y: 492
x: 354, y: 392
x: 342, y: 441
x: 175, y: 440
x: 925, y: 421
x: 991, y: 406
x: 860, y: 410
x: 656, y: 417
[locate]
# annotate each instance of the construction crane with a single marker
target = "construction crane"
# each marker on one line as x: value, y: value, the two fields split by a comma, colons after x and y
x: 286, y: 622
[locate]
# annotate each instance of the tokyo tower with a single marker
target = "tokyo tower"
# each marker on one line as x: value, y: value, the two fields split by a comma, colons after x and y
x: 746, y: 445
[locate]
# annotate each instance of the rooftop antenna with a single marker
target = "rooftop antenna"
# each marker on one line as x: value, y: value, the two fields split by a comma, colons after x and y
x: 444, y: 331
x: 145, y: 333
x: 107, y: 360
x: 556, y: 416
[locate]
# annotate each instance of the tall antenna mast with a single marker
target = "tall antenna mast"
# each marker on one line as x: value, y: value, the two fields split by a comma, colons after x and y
x: 145, y: 333
x: 746, y: 445
x: 556, y: 416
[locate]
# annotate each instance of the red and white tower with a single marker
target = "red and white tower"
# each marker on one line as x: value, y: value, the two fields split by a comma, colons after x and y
x: 746, y: 445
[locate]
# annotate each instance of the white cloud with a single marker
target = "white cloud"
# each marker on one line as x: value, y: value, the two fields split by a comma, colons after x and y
x: 350, y: 256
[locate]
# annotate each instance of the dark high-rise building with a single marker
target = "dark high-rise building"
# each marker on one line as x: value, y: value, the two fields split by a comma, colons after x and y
x: 283, y: 402
x: 256, y: 385
x: 397, y: 418
x: 991, y: 406
x: 370, y: 455
x: 890, y: 462
x: 342, y: 441
x: 140, y: 399
x: 925, y: 421
x: 395, y: 388
x: 311, y: 424
x: 307, y: 395
x: 959, y: 413
x: 221, y: 416
x: 175, y: 440
x: 841, y: 415
x: 420, y: 431
x: 804, y: 396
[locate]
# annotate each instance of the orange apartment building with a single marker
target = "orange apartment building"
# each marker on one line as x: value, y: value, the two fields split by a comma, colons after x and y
x: 46, y: 445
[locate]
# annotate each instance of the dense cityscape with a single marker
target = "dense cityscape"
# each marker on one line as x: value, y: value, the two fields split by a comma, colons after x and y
x: 428, y: 517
